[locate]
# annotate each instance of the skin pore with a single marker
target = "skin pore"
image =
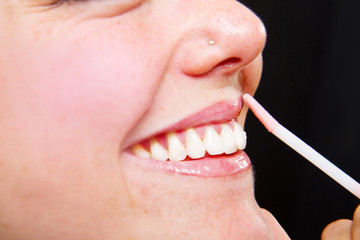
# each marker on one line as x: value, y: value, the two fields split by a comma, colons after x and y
x: 83, y: 81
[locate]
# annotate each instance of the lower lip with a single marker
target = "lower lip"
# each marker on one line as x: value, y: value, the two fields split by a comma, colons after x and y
x: 212, y: 166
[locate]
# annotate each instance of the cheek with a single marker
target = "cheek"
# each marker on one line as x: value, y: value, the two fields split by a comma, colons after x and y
x: 94, y: 80
x: 102, y: 87
x: 64, y: 115
x: 71, y: 101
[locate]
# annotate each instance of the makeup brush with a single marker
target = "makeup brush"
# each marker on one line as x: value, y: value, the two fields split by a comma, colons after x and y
x: 301, y: 147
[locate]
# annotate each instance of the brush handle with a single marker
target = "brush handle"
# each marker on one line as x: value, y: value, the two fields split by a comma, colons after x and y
x: 318, y: 160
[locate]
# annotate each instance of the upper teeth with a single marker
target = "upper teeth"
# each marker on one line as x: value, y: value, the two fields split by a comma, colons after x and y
x: 194, y: 145
x: 228, y: 141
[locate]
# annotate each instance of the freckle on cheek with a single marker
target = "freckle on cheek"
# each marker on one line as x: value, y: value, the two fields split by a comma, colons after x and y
x: 24, y: 169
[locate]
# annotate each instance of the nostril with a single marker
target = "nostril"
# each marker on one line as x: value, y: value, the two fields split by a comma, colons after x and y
x: 229, y: 63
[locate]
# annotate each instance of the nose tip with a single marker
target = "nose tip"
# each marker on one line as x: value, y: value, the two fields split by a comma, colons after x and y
x: 230, y: 40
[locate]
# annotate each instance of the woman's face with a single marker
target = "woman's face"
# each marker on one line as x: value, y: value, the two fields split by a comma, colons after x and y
x: 85, y: 89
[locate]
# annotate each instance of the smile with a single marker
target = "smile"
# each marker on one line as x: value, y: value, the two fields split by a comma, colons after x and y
x: 209, y: 143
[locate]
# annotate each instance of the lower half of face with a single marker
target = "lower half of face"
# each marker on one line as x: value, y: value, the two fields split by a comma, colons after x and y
x: 95, y: 194
x: 74, y: 186
x: 107, y: 133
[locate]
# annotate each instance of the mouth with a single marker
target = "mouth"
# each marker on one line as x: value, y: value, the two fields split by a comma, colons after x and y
x: 209, y: 143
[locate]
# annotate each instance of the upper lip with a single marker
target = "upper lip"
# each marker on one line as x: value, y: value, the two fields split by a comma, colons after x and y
x: 219, y: 112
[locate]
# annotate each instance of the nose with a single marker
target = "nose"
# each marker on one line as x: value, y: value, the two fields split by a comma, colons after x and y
x: 226, y: 35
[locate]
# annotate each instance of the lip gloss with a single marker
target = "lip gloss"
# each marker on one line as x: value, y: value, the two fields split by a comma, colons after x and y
x: 301, y: 147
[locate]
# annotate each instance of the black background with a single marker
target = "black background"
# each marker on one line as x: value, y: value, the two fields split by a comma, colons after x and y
x: 311, y: 84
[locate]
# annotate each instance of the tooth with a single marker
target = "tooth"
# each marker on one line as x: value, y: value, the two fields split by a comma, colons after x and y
x: 212, y: 142
x: 228, y: 139
x: 240, y: 136
x: 194, y: 146
x: 177, y: 150
x: 158, y: 152
x: 139, y: 151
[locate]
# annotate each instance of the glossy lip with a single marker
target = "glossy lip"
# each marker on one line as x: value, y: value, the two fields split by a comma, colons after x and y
x: 208, y: 166
x: 213, y: 166
x: 219, y: 112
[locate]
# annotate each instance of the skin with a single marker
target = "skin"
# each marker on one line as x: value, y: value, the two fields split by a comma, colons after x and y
x: 343, y: 229
x: 81, y: 82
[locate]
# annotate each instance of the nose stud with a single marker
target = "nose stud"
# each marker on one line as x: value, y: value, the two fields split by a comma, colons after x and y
x: 211, y: 42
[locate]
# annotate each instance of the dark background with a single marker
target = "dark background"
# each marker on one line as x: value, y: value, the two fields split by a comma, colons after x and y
x: 311, y: 84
